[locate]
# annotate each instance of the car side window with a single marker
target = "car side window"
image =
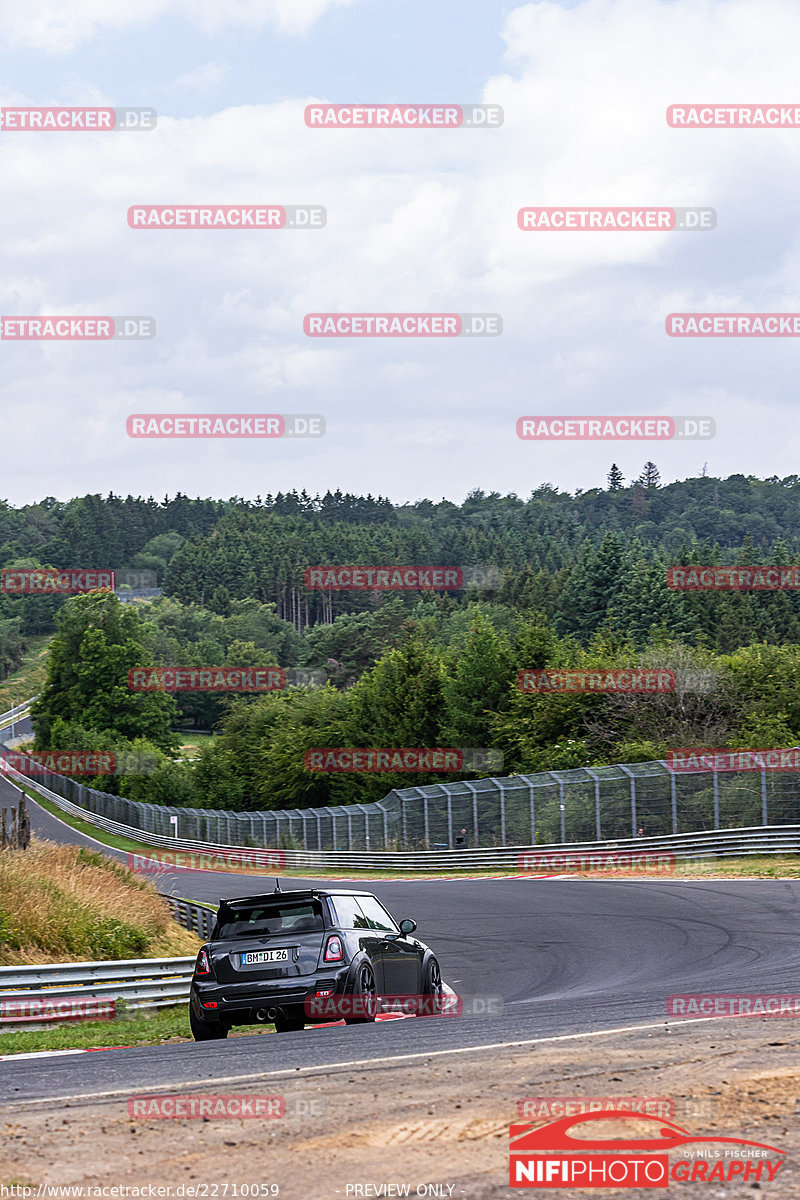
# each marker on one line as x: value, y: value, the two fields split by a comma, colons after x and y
x: 349, y: 914
x: 376, y: 914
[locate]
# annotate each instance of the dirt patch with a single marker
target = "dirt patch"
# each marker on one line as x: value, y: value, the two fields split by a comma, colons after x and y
x: 440, y: 1122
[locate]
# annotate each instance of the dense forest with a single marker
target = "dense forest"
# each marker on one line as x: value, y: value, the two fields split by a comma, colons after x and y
x: 581, y: 582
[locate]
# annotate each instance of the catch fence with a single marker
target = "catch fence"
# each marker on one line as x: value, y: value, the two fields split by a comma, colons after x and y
x: 551, y: 807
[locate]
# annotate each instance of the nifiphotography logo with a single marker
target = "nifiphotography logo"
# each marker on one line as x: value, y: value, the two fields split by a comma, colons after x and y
x: 556, y: 1157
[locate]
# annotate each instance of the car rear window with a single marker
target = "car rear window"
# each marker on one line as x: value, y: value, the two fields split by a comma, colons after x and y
x: 283, y: 918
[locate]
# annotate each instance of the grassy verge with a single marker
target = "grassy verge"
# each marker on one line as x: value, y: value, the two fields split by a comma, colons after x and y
x: 767, y: 866
x: 28, y: 680
x: 192, y: 742
x: 63, y: 903
x: 136, y: 1029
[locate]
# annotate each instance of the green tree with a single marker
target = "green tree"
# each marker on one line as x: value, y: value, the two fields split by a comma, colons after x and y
x: 98, y: 642
x: 615, y: 478
x: 479, y: 675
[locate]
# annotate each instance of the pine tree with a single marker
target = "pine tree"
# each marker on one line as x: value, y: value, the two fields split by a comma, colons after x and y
x: 615, y: 478
x: 650, y: 476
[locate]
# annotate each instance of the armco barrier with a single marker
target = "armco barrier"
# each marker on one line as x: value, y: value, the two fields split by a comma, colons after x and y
x: 778, y: 839
x: 17, y: 713
x: 140, y: 983
x: 200, y: 918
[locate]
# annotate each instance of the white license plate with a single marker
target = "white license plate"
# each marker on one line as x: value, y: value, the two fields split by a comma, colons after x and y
x: 264, y: 956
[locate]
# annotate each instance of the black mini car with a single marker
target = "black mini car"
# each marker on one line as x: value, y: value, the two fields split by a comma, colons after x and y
x: 303, y: 957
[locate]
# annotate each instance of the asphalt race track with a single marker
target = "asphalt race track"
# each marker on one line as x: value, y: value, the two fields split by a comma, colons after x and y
x: 564, y: 957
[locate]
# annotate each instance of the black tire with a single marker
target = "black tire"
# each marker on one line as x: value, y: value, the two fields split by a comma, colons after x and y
x: 364, y: 990
x: 290, y: 1021
x: 432, y: 986
x: 207, y: 1031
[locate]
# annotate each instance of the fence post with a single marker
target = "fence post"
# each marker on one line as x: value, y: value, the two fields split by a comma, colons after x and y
x: 764, y: 814
x: 474, y: 791
x: 499, y: 785
x: 385, y: 824
x: 716, y: 798
x: 673, y: 788
x: 403, y: 816
x: 449, y: 815
x: 349, y: 828
x: 596, y: 779
x: 24, y: 831
x: 632, y: 778
x: 532, y: 787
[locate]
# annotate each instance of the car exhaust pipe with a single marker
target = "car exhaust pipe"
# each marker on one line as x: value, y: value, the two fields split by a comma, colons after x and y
x: 266, y: 1014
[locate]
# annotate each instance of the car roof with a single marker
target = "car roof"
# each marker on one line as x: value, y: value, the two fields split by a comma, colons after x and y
x: 292, y: 894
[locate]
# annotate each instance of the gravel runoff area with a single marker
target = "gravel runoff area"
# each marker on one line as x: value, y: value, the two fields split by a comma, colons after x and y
x: 437, y: 1123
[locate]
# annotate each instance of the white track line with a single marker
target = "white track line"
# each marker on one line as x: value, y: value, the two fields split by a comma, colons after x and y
x: 301, y: 1072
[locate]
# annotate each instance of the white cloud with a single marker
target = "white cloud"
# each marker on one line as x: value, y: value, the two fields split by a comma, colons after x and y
x: 427, y: 221
x: 56, y: 27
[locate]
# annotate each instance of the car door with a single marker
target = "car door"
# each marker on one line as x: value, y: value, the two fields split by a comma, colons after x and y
x: 401, y: 954
x: 351, y: 918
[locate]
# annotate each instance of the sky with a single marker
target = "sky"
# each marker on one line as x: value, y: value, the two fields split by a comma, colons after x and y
x: 418, y: 220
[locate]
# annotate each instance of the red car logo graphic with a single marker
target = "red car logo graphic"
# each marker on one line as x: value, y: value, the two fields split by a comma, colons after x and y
x: 556, y: 1136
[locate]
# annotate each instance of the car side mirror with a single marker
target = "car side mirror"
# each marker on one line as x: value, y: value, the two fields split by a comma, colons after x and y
x: 408, y: 926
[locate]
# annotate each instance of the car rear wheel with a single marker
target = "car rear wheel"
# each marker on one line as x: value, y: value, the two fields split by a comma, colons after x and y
x: 207, y: 1031
x: 290, y: 1021
x: 364, y: 996
x: 432, y: 987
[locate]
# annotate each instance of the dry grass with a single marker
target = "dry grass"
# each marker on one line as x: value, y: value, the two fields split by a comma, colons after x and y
x: 70, y: 904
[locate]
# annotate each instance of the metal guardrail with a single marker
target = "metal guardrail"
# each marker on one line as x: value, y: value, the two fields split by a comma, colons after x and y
x: 30, y: 995
x: 199, y: 918
x: 26, y: 993
x: 16, y: 712
x: 757, y: 839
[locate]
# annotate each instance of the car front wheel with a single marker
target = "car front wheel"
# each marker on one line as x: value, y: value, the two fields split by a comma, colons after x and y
x: 432, y: 989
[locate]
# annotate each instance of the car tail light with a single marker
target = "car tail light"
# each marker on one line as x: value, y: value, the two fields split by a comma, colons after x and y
x: 202, y: 967
x: 333, y: 950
